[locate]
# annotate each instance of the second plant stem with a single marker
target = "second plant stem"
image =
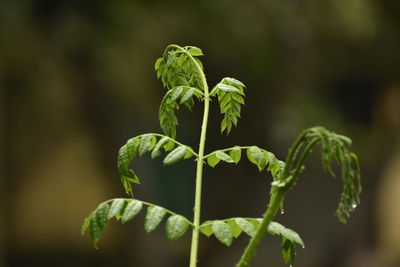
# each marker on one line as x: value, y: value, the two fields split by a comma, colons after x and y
x: 199, y: 175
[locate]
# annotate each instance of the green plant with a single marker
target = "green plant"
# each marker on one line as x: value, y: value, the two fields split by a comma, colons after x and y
x: 181, y: 73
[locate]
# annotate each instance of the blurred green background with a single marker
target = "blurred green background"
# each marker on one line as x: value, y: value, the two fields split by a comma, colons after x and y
x: 77, y: 81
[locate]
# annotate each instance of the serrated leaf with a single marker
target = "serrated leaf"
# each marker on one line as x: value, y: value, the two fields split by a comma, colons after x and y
x: 213, y: 160
x: 131, y: 210
x: 195, y: 51
x: 222, y: 232
x: 116, y: 207
x: 147, y: 142
x: 189, y: 93
x: 235, y: 154
x: 101, y: 214
x: 175, y: 155
x: 223, y: 156
x: 157, y: 149
x: 154, y: 216
x: 246, y: 226
x: 175, y: 227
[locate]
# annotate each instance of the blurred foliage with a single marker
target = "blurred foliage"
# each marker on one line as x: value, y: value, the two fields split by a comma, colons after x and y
x: 75, y: 74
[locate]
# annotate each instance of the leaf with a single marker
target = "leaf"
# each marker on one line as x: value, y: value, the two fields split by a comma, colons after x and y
x: 234, y: 82
x: 227, y: 88
x: 101, y: 214
x: 175, y: 227
x: 158, y: 63
x: 95, y: 231
x: 256, y: 156
x: 195, y: 51
x: 169, y: 145
x: 189, y: 93
x: 246, y: 226
x: 277, y: 228
x: 206, y: 228
x: 213, y: 160
x: 222, y: 232
x: 154, y: 216
x: 235, y: 154
x: 177, y: 93
x: 181, y: 59
x: 85, y: 224
x: 116, y: 207
x: 147, y: 142
x: 175, y: 155
x: 223, y: 156
x: 157, y: 149
x: 235, y: 229
x: 131, y: 210
x: 288, y: 250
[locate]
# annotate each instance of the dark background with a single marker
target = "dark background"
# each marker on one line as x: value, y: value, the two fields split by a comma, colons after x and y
x: 77, y: 81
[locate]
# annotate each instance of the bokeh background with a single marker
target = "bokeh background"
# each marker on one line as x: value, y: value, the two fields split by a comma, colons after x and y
x: 77, y: 81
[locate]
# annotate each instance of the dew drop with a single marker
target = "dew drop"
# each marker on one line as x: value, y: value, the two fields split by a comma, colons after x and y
x: 354, y: 205
x: 282, y: 212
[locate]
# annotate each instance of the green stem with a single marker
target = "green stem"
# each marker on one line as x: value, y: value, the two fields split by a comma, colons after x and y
x: 276, y: 199
x: 199, y: 170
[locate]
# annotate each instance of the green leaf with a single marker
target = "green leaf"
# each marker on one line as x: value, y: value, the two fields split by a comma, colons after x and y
x: 227, y: 88
x: 175, y: 155
x: 154, y: 216
x: 234, y: 82
x: 175, y: 227
x: 147, y: 142
x: 277, y: 228
x: 85, y: 224
x: 157, y: 149
x: 246, y: 226
x: 213, y: 160
x: 176, y: 94
x: 195, y: 51
x: 235, y: 154
x: 189, y: 93
x: 224, y: 157
x: 158, y: 63
x: 169, y: 145
x: 222, y: 232
x: 256, y: 156
x: 95, y: 231
x: 131, y: 210
x: 235, y: 229
x: 181, y: 59
x: 206, y: 228
x: 101, y: 214
x: 116, y: 207
x: 288, y: 250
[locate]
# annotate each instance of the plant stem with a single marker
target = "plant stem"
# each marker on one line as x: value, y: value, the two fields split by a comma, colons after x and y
x: 199, y: 171
x: 273, y: 206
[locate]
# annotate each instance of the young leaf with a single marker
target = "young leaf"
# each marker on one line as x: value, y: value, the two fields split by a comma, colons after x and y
x: 147, y: 142
x: 85, y: 224
x: 235, y: 154
x: 131, y: 210
x: 288, y: 250
x: 101, y: 214
x: 206, y: 228
x: 246, y: 226
x: 157, y: 149
x: 95, y: 231
x: 235, y: 229
x: 116, y: 207
x: 222, y: 232
x: 175, y: 155
x: 195, y: 51
x: 223, y: 156
x: 227, y: 88
x: 256, y: 156
x: 154, y: 216
x: 213, y: 160
x: 234, y: 82
x: 175, y: 227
